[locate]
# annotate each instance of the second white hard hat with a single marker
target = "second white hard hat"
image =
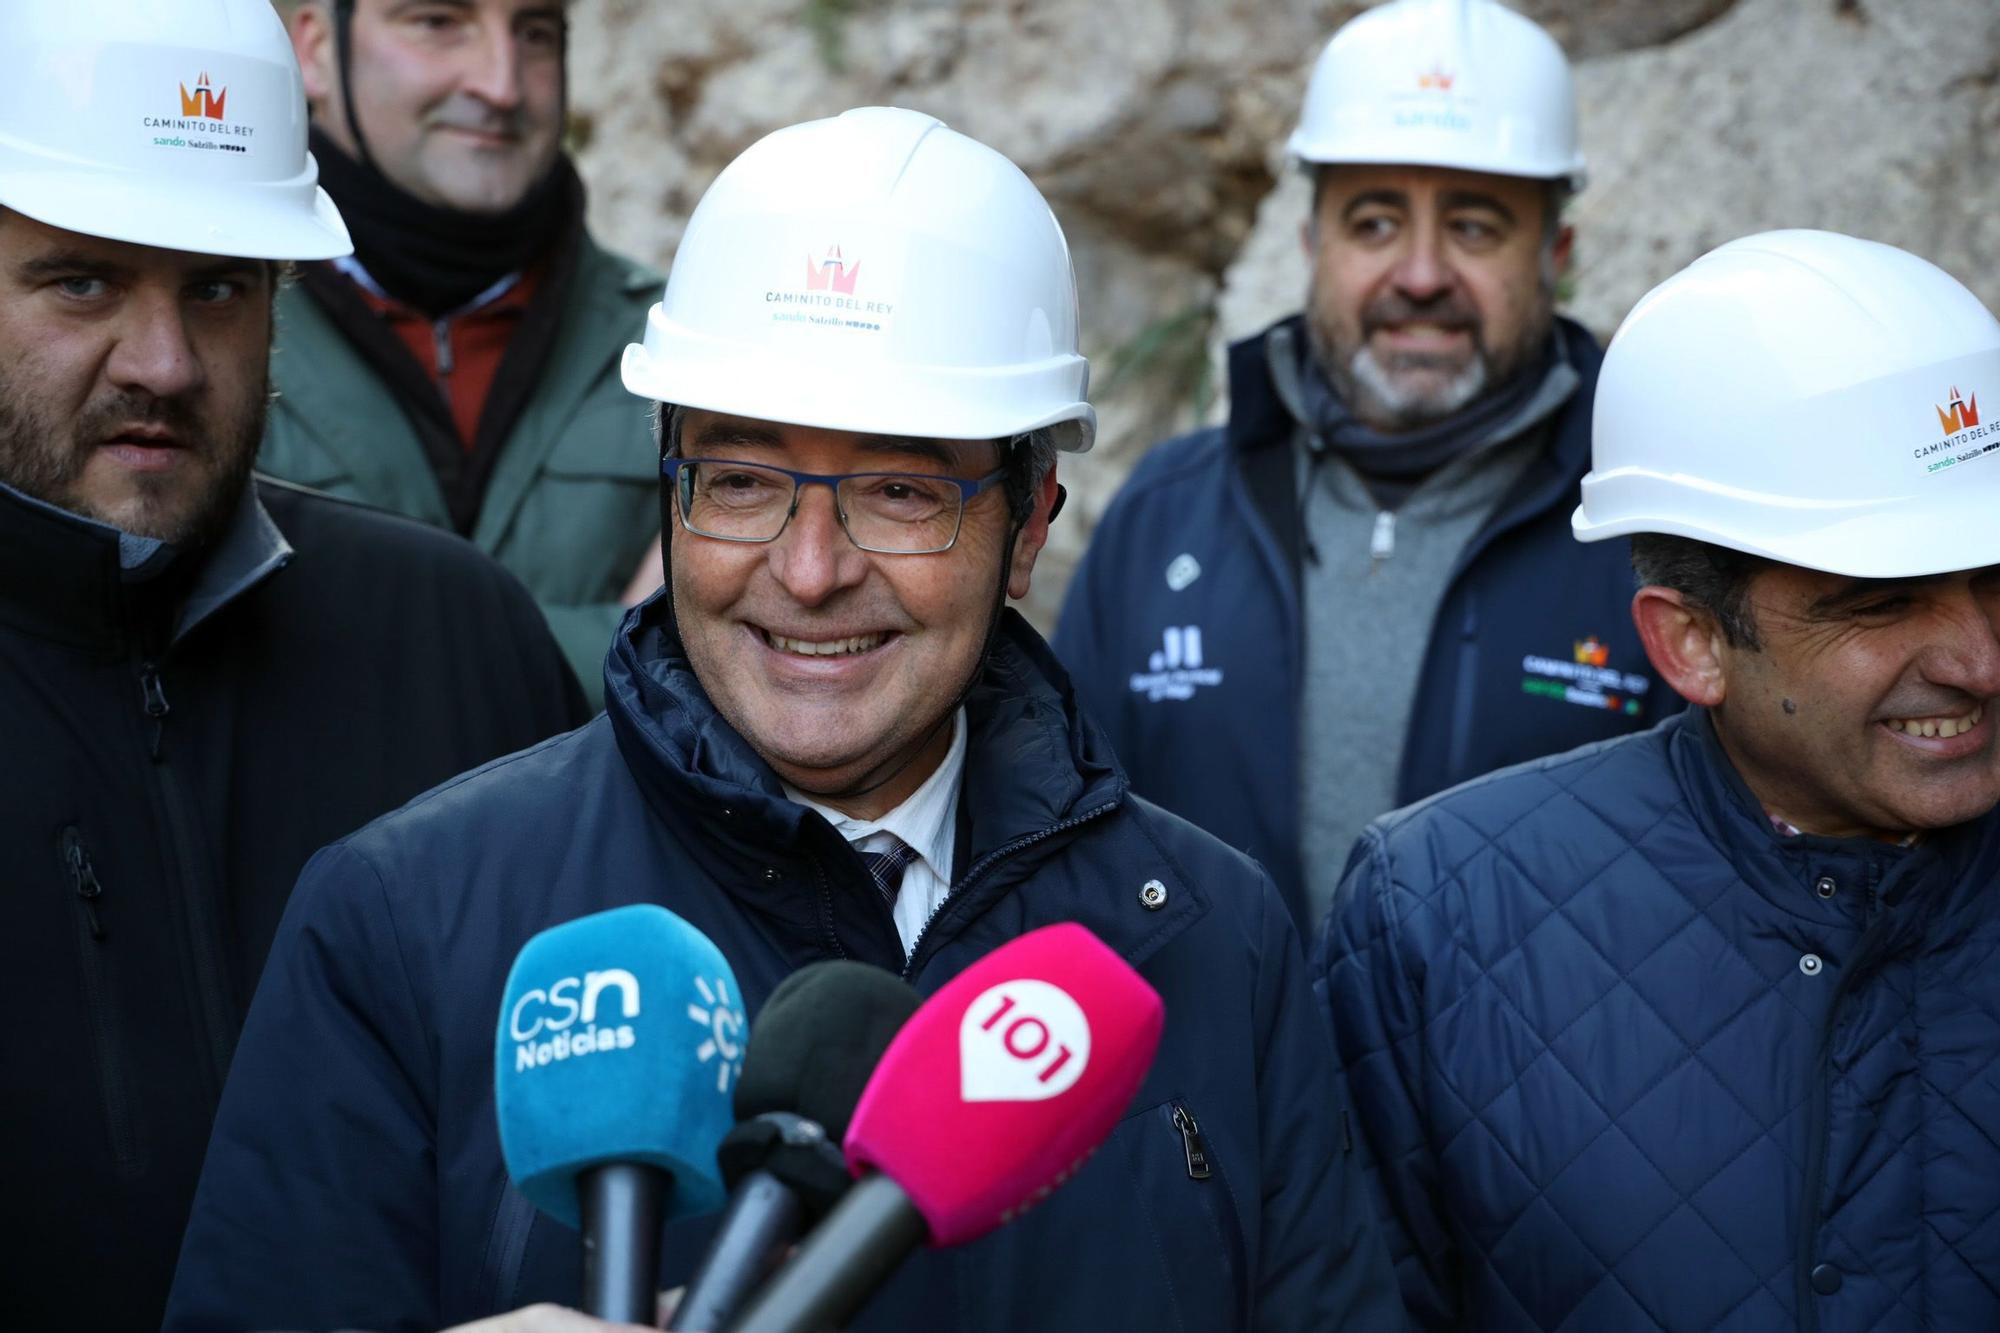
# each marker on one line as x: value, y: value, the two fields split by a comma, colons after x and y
x: 872, y: 272
x: 1807, y: 397
x: 1468, y: 84
x: 181, y: 126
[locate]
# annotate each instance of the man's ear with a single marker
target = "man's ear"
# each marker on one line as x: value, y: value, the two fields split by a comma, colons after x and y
x: 311, y: 28
x: 1563, y: 252
x: 1683, y: 642
x: 1033, y: 537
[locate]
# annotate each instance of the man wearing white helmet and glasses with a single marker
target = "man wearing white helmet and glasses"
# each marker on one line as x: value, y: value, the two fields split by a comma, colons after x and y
x: 203, y: 677
x: 827, y: 737
x: 1696, y: 1028
x: 1362, y: 588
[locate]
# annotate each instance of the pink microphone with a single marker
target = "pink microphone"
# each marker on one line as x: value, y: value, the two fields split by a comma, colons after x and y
x: 990, y: 1097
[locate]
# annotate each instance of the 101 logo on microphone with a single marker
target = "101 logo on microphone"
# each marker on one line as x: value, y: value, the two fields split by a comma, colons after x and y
x: 1021, y: 1041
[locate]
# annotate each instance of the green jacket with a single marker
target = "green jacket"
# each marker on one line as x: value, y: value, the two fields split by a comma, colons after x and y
x: 574, y: 497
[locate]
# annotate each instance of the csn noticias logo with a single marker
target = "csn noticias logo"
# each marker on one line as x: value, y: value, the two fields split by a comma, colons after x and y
x: 561, y: 1021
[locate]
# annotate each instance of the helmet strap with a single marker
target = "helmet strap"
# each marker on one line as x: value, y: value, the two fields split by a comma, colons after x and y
x: 343, y: 59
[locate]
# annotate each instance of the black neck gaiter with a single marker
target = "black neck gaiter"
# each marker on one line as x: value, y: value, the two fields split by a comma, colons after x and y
x: 437, y: 259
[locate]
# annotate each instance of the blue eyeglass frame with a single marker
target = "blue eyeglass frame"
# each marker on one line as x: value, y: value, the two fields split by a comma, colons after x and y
x: 672, y: 466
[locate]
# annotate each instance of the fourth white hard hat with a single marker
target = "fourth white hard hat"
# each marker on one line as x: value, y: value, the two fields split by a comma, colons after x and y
x: 1819, y: 400
x: 872, y: 272
x: 1468, y: 84
x: 181, y: 126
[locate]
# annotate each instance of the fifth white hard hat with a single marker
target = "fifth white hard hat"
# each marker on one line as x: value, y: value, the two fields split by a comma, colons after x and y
x: 1468, y: 84
x: 873, y: 272
x: 181, y: 126
x: 1807, y: 397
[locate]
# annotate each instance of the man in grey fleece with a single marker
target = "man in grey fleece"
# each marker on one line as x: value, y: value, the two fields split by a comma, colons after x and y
x: 1370, y: 592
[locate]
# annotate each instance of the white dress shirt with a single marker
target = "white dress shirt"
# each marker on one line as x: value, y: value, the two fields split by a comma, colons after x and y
x: 927, y: 822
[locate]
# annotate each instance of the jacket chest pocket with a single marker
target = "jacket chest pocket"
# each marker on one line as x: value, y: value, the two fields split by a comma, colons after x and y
x: 1147, y: 1236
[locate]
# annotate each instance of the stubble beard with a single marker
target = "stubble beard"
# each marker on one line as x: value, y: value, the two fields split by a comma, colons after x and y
x: 1413, y: 390
x: 42, y: 460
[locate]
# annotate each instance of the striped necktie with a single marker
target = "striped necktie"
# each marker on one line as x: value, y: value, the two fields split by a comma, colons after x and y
x: 886, y: 868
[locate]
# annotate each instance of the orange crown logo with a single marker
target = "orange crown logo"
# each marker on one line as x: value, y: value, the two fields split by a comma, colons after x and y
x: 206, y: 102
x: 1963, y: 412
x: 1438, y: 78
x: 1589, y: 652
x: 832, y: 273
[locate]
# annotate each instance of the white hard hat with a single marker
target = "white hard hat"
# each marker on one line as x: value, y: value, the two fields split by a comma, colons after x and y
x: 181, y: 126
x: 1443, y: 83
x: 873, y: 272
x: 1807, y: 397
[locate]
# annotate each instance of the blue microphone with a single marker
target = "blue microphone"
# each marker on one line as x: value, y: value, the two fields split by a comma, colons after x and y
x: 620, y: 1037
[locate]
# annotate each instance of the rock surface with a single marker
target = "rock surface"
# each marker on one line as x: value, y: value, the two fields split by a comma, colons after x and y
x: 1155, y: 126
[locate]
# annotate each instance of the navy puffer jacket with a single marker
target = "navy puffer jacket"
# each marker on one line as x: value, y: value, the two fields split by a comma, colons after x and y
x: 1626, y: 1058
x: 355, y: 1177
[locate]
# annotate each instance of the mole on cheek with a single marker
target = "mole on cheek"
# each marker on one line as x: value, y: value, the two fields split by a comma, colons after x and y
x: 1790, y: 707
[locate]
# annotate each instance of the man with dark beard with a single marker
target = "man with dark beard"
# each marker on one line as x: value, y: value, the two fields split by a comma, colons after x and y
x: 461, y: 366
x: 1362, y: 589
x: 202, y: 678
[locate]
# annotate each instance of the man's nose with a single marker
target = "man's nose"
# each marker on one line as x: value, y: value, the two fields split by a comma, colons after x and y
x: 1423, y: 272
x: 154, y: 353
x: 1966, y: 652
x: 813, y: 557
x: 494, y: 76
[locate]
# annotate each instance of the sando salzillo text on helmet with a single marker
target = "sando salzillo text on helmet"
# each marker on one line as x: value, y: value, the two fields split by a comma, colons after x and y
x: 180, y: 126
x: 1807, y: 397
x: 875, y: 272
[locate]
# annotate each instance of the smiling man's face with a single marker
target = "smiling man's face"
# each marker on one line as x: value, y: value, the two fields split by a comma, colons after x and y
x: 841, y: 666
x: 460, y: 100
x: 1868, y: 708
x: 1430, y: 287
x: 132, y: 380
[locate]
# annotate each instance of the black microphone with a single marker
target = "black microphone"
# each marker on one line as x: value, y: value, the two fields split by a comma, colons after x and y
x: 813, y: 1050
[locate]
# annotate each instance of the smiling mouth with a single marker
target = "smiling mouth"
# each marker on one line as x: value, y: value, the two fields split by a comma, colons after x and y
x: 1943, y: 727
x: 858, y: 643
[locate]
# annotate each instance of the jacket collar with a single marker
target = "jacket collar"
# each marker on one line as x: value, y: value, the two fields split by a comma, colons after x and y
x: 73, y: 580
x: 1259, y: 418
x: 1034, y: 764
x: 1941, y: 874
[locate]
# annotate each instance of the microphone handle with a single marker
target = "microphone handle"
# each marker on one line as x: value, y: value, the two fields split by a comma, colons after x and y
x: 764, y: 1216
x: 622, y: 1204
x: 850, y: 1253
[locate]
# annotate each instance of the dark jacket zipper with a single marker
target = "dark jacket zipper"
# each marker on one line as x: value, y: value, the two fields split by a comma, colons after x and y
x: 1197, y: 1151
x: 203, y: 930
x: 979, y: 870
x: 89, y: 892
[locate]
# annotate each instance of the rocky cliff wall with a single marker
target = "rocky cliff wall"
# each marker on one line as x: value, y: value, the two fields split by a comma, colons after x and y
x: 1154, y: 126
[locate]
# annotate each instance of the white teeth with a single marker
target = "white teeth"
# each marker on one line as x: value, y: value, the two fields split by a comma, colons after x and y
x: 1946, y: 727
x: 860, y: 643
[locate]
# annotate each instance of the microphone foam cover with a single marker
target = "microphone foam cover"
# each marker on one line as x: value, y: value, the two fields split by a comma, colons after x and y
x: 818, y: 1039
x: 620, y: 1036
x: 1007, y: 1079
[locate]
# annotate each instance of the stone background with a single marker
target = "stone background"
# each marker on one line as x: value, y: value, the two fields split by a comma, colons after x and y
x: 1155, y: 128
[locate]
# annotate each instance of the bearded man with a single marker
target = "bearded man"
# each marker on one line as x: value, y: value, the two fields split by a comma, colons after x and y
x: 205, y: 677
x: 1362, y: 589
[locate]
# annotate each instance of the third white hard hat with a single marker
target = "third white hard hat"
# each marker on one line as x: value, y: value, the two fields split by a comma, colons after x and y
x: 1468, y: 84
x: 1809, y: 397
x: 181, y: 126
x: 873, y: 272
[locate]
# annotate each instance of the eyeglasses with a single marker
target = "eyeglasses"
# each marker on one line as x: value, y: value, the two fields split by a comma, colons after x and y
x: 894, y: 513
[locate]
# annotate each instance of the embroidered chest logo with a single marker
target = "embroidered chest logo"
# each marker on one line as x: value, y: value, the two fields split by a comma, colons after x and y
x: 1587, y: 679
x: 1176, y: 669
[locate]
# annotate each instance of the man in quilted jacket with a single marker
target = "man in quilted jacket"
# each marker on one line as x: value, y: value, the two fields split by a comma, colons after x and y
x: 1700, y: 1028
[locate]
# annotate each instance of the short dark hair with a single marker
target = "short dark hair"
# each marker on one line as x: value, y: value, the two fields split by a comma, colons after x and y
x: 1712, y: 578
